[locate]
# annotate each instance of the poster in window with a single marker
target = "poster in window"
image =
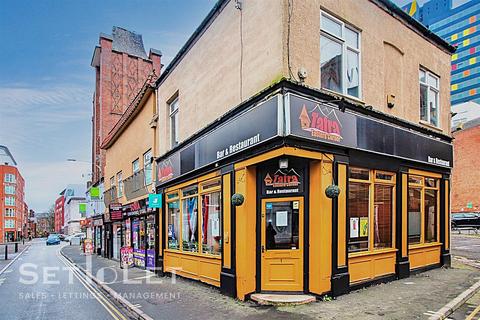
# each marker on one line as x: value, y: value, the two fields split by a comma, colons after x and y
x: 215, y: 226
x: 364, y: 227
x: 281, y: 218
x: 354, y: 227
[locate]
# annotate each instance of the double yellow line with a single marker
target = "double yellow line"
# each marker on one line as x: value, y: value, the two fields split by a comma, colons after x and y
x: 101, y: 298
x: 473, y: 314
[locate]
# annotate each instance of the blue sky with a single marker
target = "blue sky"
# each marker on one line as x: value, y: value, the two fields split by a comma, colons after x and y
x: 46, y: 82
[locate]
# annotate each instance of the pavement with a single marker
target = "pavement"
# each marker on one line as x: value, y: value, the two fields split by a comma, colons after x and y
x: 416, y: 297
x: 11, y: 253
x: 40, y: 284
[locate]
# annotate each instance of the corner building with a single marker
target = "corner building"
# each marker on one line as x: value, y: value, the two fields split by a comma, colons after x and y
x: 297, y: 153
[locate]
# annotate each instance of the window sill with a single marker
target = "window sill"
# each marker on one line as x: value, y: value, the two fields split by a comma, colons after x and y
x: 345, y: 96
x: 430, y: 126
x: 195, y: 254
x: 424, y: 245
x: 370, y: 253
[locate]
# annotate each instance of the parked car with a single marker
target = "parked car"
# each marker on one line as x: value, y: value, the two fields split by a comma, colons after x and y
x: 462, y: 220
x: 53, y: 239
x: 80, y: 235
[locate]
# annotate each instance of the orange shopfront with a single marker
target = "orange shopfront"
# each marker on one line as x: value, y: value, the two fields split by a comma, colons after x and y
x: 317, y: 198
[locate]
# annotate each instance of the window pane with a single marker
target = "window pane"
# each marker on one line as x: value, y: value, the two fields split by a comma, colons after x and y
x: 353, y: 73
x: 383, y: 216
x: 331, y: 64
x: 211, y: 222
x: 359, y: 173
x: 358, y: 216
x: 433, y: 104
x: 173, y: 224
x: 281, y: 226
x: 414, y: 214
x: 421, y: 76
x: 384, y: 176
x: 190, y: 191
x: 430, y: 182
x: 415, y: 179
x: 432, y: 80
x: 351, y: 37
x: 331, y: 26
x: 190, y: 225
x: 423, y: 103
x: 430, y: 215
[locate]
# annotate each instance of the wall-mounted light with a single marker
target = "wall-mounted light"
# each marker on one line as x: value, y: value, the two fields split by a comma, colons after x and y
x: 283, y: 163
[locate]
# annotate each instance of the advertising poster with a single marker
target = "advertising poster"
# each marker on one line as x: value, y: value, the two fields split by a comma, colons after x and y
x: 88, y: 246
x: 354, y: 227
x: 364, y: 227
x: 150, y: 258
x: 126, y: 257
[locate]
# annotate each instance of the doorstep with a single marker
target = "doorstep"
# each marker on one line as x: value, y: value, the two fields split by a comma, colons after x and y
x: 281, y: 299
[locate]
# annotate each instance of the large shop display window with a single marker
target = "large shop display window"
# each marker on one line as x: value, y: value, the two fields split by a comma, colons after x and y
x: 138, y: 228
x: 371, y: 202
x: 194, y: 218
x: 423, y: 209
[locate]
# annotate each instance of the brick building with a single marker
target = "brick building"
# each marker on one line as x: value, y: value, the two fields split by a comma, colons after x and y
x: 59, y: 213
x: 122, y: 66
x: 12, y: 204
x: 465, y: 176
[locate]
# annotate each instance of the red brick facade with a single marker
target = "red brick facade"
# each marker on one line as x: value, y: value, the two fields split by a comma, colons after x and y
x: 18, y: 207
x: 466, y: 175
x: 59, y: 213
x: 119, y: 77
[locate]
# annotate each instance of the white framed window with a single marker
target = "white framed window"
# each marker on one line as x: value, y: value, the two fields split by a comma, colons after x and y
x: 173, y: 108
x: 119, y: 184
x: 9, y: 189
x: 9, y: 212
x: 429, y: 97
x: 9, y: 223
x: 10, y: 178
x: 9, y: 201
x: 340, y: 68
x: 147, y: 166
x: 136, y: 166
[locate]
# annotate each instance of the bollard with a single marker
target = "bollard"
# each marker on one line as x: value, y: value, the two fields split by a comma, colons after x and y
x: 6, y: 252
x: 23, y: 241
x: 16, y: 247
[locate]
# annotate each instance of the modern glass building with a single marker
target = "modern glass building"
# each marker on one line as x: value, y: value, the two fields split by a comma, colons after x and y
x: 460, y: 26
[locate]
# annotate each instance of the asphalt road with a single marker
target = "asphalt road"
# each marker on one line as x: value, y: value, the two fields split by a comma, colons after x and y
x: 41, y: 284
x: 467, y: 246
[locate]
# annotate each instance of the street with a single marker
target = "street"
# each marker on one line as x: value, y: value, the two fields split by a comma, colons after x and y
x: 45, y: 282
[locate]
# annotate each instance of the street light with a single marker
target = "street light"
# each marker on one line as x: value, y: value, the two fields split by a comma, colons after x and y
x: 75, y: 160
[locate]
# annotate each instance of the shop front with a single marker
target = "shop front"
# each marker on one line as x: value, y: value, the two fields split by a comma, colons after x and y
x: 139, y: 227
x: 112, y: 227
x: 317, y: 198
x: 97, y: 222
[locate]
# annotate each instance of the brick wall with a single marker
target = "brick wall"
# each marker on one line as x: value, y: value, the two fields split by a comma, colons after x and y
x: 465, y: 175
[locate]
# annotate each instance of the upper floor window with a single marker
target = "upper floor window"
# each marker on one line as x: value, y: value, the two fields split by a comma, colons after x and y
x: 9, y: 224
x: 9, y: 212
x: 10, y: 178
x: 136, y: 166
x: 9, y: 189
x: 174, y: 139
x: 112, y: 182
x: 429, y: 97
x: 339, y: 56
x: 147, y: 166
x: 119, y: 184
x: 9, y: 201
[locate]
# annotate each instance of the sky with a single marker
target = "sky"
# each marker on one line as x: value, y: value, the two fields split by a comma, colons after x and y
x: 47, y: 84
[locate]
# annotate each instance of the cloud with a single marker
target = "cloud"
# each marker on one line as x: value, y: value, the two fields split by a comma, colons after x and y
x: 44, y: 181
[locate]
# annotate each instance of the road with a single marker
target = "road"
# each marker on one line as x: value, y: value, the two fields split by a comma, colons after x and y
x: 42, y: 284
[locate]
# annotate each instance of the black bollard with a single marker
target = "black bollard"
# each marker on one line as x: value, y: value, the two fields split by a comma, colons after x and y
x: 6, y: 252
x: 16, y: 247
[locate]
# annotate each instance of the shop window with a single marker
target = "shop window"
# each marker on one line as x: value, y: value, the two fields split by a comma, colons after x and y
x: 339, y: 56
x: 195, y: 217
x: 173, y: 224
x: 423, y: 209
x: 429, y: 97
x: 370, y: 203
x: 211, y: 215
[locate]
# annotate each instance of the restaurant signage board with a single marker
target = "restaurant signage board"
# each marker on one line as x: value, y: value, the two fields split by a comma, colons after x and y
x: 325, y: 123
x: 115, y: 210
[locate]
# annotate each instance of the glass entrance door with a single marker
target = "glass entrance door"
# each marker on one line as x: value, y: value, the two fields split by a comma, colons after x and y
x: 282, y: 244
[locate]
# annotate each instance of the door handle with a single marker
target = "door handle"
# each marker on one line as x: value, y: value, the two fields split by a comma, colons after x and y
x: 263, y: 249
